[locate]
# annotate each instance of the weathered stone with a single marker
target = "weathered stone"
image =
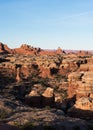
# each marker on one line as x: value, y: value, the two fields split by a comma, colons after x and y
x: 91, y: 95
x: 88, y: 77
x: 74, y: 76
x: 84, y: 103
x: 82, y: 109
x: 48, y: 97
x: 33, y: 99
x: 84, y: 67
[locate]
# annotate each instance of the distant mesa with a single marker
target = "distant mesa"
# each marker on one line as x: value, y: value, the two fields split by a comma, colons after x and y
x: 25, y: 49
x: 28, y: 50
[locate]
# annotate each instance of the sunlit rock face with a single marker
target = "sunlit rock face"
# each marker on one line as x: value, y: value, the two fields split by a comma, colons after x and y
x: 83, y: 108
x: 84, y: 103
x: 4, y: 49
x: 80, y: 84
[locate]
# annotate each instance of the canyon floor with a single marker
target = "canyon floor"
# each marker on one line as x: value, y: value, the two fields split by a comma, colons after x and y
x: 45, y: 89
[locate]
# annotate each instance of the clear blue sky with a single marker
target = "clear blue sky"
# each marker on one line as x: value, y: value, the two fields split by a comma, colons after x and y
x: 47, y: 23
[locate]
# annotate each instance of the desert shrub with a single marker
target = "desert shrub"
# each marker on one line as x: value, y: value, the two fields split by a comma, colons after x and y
x: 3, y: 114
x: 47, y: 107
x: 27, y: 126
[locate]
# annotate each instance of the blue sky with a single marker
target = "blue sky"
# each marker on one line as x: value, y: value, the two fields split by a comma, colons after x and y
x: 47, y: 23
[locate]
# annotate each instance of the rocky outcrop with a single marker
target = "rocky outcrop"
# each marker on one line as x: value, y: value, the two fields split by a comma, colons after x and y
x: 59, y: 51
x: 48, y: 98
x: 84, y: 67
x: 36, y: 118
x: 4, y: 49
x: 83, y: 108
x: 41, y: 78
x: 84, y: 103
x: 88, y: 77
x: 74, y: 79
x: 33, y: 99
x: 36, y: 99
x: 27, y: 50
x: 80, y: 84
x: 83, y: 53
x: 18, y: 78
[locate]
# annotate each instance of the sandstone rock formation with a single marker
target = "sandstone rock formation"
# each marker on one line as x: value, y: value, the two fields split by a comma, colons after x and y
x: 32, y: 77
x: 18, y: 78
x: 29, y: 50
x: 80, y: 84
x: 59, y: 51
x: 36, y: 99
x: 83, y: 108
x: 84, y: 103
x: 48, y: 98
x: 33, y: 99
x: 4, y: 49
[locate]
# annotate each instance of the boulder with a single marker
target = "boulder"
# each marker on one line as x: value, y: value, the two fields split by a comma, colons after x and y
x: 33, y: 99
x: 48, y: 97
x: 49, y: 92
